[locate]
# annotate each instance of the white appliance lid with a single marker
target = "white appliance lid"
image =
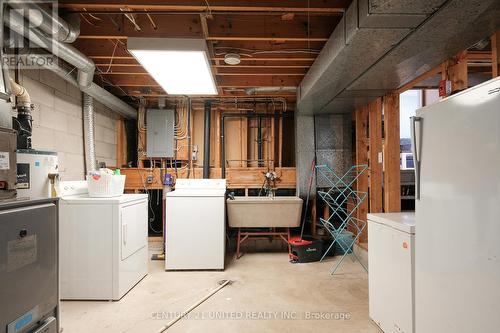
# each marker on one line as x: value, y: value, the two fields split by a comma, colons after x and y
x: 197, y: 193
x: 122, y: 199
x: 400, y: 221
x: 77, y: 192
x: 72, y: 188
x: 200, y: 184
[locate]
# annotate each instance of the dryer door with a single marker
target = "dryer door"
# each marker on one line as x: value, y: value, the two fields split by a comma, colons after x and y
x: 133, y: 228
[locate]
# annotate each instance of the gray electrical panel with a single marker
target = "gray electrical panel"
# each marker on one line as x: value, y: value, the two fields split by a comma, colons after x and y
x: 160, y: 132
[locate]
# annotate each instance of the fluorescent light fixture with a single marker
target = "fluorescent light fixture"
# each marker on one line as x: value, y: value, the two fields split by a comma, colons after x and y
x: 180, y: 66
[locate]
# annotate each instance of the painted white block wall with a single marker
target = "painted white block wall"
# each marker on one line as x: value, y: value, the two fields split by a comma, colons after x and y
x: 57, y: 123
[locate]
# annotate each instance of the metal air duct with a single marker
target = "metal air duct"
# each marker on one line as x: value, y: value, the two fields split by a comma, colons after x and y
x: 68, y: 53
x: 88, y: 133
x: 380, y: 45
x: 48, y: 22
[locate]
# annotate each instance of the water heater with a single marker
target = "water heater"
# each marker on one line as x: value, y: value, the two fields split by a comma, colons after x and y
x: 34, y: 170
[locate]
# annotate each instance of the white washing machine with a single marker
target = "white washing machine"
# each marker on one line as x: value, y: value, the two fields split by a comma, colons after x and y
x: 195, y: 225
x: 103, y: 243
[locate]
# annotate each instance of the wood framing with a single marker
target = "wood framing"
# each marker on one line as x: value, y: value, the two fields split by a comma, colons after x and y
x: 375, y: 149
x: 392, y: 174
x: 121, y: 143
x: 456, y: 71
x: 137, y: 178
x: 361, y: 118
x: 495, y: 55
x: 286, y: 6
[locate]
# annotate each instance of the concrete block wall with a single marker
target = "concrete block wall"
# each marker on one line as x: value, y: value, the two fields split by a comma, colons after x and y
x: 57, y: 123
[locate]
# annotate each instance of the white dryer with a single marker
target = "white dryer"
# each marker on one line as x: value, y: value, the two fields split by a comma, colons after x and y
x: 103, y: 243
x: 195, y: 225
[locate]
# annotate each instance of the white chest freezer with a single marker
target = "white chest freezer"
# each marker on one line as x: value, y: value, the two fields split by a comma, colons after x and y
x: 103, y: 243
x: 391, y: 258
x: 195, y: 225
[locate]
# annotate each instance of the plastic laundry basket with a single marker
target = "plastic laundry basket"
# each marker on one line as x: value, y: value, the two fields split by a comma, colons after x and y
x: 105, y: 185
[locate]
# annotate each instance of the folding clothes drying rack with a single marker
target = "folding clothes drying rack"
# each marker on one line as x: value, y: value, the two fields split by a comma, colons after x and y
x: 344, y: 201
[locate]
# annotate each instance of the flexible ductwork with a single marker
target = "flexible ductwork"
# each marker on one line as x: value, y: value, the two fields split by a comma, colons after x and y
x: 85, y: 66
x: 50, y: 23
x: 88, y: 133
x: 268, y: 90
x: 380, y: 45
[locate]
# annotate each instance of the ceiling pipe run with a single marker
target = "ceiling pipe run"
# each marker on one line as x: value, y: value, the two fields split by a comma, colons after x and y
x: 15, y: 22
x: 269, y: 90
x: 98, y: 93
x: 85, y: 66
x: 48, y: 22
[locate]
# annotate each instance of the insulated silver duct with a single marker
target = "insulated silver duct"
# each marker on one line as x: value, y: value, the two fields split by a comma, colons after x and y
x: 50, y: 23
x: 380, y: 45
x: 66, y: 52
x: 88, y: 133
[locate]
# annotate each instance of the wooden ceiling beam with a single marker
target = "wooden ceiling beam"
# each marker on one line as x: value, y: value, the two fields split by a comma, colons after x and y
x: 213, y: 28
x: 252, y: 53
x: 223, y: 81
x: 230, y: 70
x: 285, y: 6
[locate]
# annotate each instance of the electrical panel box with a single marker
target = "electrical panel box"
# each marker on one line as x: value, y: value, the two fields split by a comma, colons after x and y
x: 160, y: 132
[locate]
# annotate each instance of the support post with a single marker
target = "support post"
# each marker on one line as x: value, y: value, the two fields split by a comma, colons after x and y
x: 392, y: 173
x: 375, y: 163
x: 495, y: 55
x: 361, y: 116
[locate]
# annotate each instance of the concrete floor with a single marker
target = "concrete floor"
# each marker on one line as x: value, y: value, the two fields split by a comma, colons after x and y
x: 269, y: 294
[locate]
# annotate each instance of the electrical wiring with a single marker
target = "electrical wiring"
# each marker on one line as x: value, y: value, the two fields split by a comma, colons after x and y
x: 153, y: 24
x: 112, y: 56
x: 251, y: 52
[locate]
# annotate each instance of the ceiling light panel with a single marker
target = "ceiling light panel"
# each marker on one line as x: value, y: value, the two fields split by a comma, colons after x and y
x: 180, y: 66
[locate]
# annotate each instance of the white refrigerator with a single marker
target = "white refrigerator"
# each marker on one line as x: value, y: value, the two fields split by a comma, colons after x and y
x: 456, y: 146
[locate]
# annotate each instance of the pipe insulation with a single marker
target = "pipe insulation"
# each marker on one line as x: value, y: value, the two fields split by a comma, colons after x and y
x: 47, y: 21
x: 88, y: 133
x: 23, y: 98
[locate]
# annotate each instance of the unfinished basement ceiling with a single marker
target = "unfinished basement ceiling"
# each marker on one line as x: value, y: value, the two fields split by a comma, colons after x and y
x: 380, y: 45
x: 277, y: 40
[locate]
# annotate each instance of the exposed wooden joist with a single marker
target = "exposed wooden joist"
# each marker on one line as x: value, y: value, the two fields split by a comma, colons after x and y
x: 315, y: 6
x: 392, y: 173
x: 224, y: 81
x: 223, y: 28
x: 254, y: 51
x: 232, y: 70
x: 495, y: 54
